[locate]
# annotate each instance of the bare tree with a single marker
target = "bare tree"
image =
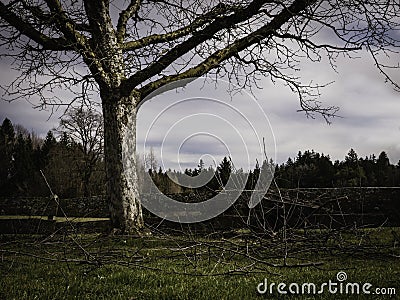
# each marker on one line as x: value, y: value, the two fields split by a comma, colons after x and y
x: 85, y: 127
x: 127, y: 49
x: 150, y: 161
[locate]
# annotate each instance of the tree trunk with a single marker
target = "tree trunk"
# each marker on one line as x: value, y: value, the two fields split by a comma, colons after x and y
x: 119, y: 148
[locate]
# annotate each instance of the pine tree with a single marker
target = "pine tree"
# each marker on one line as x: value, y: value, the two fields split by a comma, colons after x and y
x: 383, y: 170
x: 224, y: 171
x: 48, y: 144
x: 7, y: 141
x: 23, y: 167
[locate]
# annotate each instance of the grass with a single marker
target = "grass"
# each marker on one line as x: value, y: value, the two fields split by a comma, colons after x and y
x: 57, y: 219
x: 91, y: 266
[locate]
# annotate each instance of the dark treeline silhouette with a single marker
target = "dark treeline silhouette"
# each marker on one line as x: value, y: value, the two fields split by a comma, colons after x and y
x: 311, y: 169
x: 65, y: 162
x: 307, y: 170
x: 173, y: 182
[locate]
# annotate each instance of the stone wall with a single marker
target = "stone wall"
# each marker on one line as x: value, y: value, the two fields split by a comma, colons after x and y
x: 74, y: 207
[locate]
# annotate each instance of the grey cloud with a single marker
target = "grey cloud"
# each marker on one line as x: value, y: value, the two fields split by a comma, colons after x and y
x: 21, y: 112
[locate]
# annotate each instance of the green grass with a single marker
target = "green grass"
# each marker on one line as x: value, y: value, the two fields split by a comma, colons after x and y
x: 184, y: 267
x: 57, y: 219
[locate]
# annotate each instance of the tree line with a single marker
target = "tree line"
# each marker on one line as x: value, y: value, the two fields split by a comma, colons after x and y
x: 312, y: 169
x: 309, y: 169
x: 71, y: 159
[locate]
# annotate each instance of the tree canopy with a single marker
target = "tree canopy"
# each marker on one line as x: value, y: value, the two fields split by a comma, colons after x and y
x: 138, y: 46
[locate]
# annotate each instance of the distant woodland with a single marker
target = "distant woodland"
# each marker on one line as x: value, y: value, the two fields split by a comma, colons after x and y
x: 71, y: 158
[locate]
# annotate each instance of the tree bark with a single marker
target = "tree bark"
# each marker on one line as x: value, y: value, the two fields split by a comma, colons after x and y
x: 119, y: 114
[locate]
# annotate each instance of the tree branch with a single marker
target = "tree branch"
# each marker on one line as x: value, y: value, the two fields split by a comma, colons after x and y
x: 48, y: 43
x: 217, y: 11
x: 311, y: 44
x: 219, y: 56
x: 124, y: 17
x: 239, y: 16
x: 83, y: 44
x: 99, y: 18
x: 66, y: 25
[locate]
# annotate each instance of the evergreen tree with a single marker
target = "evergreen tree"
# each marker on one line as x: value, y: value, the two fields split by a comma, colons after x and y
x: 45, y: 151
x: 23, y: 168
x: 351, y: 157
x: 368, y: 165
x: 350, y: 172
x: 383, y: 170
x: 224, y: 171
x: 7, y: 141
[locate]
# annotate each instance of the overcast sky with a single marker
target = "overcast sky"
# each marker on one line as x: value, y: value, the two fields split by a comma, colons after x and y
x: 215, y: 125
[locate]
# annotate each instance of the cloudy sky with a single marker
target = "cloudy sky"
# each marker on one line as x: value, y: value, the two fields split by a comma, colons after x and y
x: 203, y: 121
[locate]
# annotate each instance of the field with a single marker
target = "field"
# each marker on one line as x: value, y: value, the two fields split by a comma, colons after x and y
x: 70, y: 265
